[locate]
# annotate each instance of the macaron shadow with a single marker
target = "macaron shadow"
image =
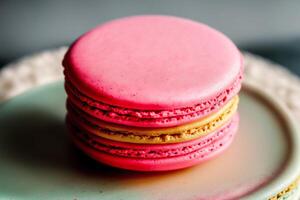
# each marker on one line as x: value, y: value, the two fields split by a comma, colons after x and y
x: 35, y: 138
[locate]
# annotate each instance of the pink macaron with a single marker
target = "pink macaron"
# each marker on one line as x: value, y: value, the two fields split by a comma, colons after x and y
x: 152, y: 93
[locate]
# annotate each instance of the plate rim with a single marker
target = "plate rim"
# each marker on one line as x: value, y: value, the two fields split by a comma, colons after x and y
x: 291, y: 170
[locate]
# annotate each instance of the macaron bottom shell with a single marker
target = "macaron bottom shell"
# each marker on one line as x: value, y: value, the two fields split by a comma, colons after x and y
x: 159, y: 164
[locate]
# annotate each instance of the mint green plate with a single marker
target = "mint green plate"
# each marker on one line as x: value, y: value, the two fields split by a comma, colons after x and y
x: 37, y: 160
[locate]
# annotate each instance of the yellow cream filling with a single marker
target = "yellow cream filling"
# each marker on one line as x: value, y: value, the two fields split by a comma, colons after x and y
x: 168, y: 135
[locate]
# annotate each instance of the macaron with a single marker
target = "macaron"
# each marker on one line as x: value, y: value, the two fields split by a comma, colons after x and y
x: 144, y: 84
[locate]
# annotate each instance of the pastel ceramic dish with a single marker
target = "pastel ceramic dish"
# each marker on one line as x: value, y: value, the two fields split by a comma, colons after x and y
x: 152, y: 82
x: 38, y: 161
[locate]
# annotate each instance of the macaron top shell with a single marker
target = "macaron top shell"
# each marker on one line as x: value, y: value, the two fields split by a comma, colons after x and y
x: 152, y: 62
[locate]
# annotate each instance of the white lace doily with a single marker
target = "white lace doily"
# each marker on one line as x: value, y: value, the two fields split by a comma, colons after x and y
x: 46, y: 67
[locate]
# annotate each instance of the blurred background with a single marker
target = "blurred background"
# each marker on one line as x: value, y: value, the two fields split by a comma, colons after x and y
x: 269, y: 28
